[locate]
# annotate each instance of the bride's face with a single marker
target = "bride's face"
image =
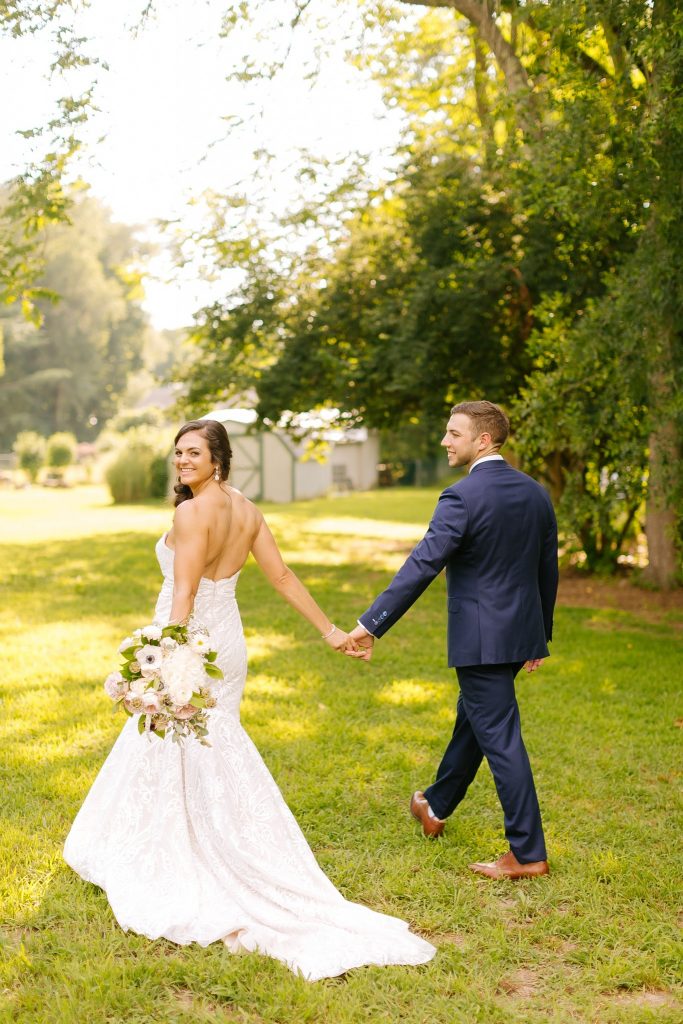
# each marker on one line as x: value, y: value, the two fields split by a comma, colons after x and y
x: 193, y: 459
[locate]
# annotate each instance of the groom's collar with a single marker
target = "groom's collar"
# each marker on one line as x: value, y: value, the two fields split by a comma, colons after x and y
x: 486, y: 458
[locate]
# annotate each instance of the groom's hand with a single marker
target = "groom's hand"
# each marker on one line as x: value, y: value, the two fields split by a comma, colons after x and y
x: 364, y: 642
x: 532, y: 665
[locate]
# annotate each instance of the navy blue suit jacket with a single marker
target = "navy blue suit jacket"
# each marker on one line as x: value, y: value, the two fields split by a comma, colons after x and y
x: 495, y: 533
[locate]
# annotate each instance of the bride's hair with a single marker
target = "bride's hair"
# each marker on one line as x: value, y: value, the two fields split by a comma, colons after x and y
x: 219, y: 448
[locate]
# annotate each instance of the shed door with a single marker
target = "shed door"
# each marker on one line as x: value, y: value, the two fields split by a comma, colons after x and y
x: 246, y: 473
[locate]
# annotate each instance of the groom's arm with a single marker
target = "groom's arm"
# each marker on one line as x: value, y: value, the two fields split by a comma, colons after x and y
x: 548, y: 571
x: 426, y: 560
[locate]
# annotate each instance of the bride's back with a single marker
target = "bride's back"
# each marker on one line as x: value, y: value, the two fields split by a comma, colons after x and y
x: 232, y: 523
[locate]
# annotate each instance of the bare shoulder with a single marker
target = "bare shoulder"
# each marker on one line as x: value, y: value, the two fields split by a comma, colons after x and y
x: 244, y: 505
x: 247, y: 515
x: 189, y: 515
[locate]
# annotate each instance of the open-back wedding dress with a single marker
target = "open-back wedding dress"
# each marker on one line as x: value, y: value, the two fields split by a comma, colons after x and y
x: 196, y: 844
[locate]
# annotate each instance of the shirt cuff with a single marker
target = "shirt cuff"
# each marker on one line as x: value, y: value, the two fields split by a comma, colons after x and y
x: 365, y: 628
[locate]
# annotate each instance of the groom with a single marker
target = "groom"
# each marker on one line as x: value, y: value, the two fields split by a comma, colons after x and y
x: 495, y: 533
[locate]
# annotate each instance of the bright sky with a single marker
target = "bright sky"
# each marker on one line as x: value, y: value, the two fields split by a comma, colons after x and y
x: 153, y: 145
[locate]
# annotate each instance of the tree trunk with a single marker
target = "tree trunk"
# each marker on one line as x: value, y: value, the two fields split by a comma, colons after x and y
x: 660, y: 514
x: 481, y: 15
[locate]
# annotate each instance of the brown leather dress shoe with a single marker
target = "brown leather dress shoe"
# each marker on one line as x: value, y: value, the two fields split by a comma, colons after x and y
x: 419, y: 808
x: 508, y: 866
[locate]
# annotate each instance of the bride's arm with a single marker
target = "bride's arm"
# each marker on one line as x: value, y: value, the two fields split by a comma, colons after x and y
x: 288, y: 585
x: 191, y: 538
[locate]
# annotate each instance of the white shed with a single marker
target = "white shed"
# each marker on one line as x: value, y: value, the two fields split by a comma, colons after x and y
x: 270, y: 466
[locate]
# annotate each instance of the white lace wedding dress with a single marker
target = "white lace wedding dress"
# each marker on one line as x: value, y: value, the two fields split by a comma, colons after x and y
x: 196, y: 844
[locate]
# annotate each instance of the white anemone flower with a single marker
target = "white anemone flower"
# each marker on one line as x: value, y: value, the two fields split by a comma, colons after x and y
x: 149, y: 659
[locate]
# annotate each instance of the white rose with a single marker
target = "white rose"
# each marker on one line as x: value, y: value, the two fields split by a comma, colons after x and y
x: 181, y: 693
x: 130, y: 641
x: 138, y: 686
x: 149, y: 659
x: 114, y: 685
x: 168, y: 643
x: 152, y: 632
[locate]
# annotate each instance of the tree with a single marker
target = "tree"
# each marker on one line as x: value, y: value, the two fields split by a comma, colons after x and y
x: 29, y: 447
x: 568, y: 116
x: 69, y: 372
x: 36, y: 197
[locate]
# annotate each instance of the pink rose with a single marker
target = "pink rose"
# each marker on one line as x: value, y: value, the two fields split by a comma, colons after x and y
x: 150, y: 702
x: 185, y: 712
x: 114, y: 685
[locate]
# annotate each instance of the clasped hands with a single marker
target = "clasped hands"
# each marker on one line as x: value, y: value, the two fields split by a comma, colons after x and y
x: 359, y: 643
x: 356, y: 644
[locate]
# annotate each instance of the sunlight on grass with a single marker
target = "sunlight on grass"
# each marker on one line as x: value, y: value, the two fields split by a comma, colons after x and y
x: 408, y: 691
x: 268, y: 686
x: 375, y: 528
x: 38, y: 513
x: 262, y: 644
x: 347, y: 743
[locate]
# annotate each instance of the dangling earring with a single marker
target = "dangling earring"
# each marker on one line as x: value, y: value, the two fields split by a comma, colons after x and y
x: 216, y: 474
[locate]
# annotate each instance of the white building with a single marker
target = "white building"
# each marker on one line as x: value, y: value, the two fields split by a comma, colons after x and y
x: 270, y: 466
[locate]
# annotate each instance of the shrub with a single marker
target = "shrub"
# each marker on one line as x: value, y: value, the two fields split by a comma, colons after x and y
x: 29, y: 448
x: 158, y: 472
x: 61, y: 449
x: 129, y: 476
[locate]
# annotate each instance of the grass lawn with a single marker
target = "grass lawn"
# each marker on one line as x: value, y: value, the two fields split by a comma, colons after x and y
x: 597, y: 941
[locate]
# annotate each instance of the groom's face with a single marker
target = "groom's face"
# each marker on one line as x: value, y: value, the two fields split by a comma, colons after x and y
x: 460, y: 441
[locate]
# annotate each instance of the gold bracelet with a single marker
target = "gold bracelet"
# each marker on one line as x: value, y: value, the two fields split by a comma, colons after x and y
x: 326, y: 636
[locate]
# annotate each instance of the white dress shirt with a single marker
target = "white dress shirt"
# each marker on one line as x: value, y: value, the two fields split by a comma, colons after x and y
x: 486, y: 458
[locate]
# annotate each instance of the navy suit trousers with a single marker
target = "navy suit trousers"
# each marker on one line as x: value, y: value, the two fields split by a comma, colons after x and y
x: 487, y: 725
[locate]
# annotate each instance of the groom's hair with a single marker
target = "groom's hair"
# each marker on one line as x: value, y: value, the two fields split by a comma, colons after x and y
x: 486, y: 418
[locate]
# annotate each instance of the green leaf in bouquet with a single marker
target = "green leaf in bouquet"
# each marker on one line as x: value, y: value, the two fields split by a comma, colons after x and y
x: 129, y: 653
x: 141, y: 724
x: 211, y: 656
x: 213, y: 671
x: 197, y: 701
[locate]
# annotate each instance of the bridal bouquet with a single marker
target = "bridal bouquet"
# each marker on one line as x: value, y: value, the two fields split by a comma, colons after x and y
x: 166, y: 679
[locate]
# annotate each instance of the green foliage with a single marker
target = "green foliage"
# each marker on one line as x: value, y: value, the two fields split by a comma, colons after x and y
x: 36, y: 198
x: 129, y: 475
x: 69, y: 374
x: 29, y: 447
x: 61, y: 450
x: 528, y: 248
x: 598, y: 940
x: 159, y: 476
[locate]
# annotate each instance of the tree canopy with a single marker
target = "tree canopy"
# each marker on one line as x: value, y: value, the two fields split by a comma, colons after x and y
x: 68, y: 372
x: 527, y: 248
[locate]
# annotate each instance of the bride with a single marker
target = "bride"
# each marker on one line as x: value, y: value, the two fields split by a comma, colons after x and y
x: 194, y: 843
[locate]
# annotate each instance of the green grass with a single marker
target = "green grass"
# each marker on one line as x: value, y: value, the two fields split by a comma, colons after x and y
x: 598, y: 941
